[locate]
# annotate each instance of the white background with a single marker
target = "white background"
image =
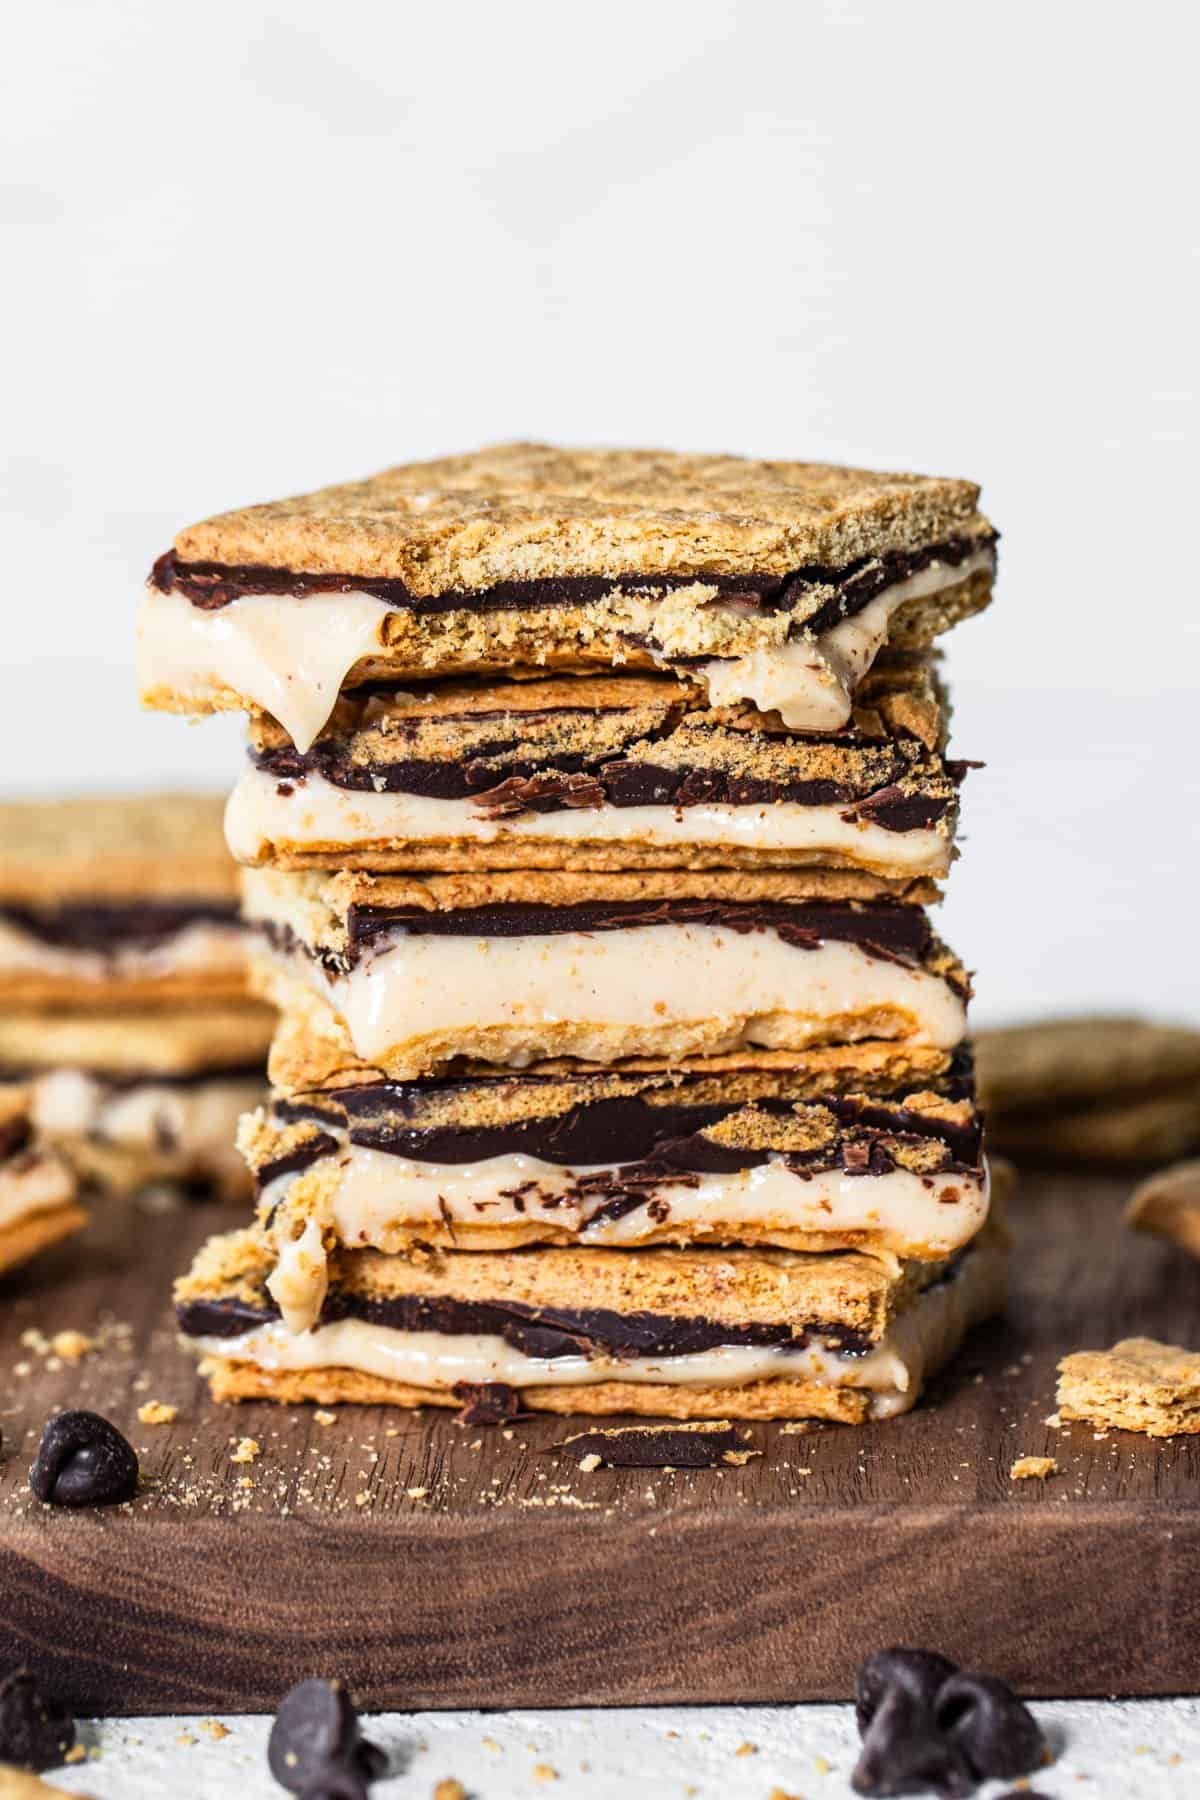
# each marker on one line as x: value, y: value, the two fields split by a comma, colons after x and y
x: 253, y: 248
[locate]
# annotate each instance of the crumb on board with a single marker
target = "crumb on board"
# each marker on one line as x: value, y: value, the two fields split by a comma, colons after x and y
x: 323, y: 1416
x: 157, y: 1412
x: 589, y: 1463
x: 72, y: 1346
x: 543, y: 1772
x: 214, y: 1729
x: 746, y: 1749
x: 1033, y: 1468
x: 248, y: 1449
x: 449, y: 1789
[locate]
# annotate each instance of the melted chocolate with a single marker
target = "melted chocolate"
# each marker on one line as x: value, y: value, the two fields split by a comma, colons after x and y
x: 210, y: 585
x: 97, y: 926
x: 535, y: 1331
x: 882, y: 928
x: 560, y: 782
x: 632, y: 1145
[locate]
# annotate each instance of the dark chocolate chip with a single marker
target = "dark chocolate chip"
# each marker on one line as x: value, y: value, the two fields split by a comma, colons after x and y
x: 995, y: 1730
x: 35, y: 1732
x: 315, y: 1748
x: 903, y: 1751
x: 920, y: 1673
x: 82, y: 1460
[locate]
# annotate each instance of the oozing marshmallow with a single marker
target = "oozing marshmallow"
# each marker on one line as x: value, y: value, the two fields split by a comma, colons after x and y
x: 289, y: 655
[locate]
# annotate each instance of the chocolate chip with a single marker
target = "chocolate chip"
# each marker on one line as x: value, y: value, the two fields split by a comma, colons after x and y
x: 35, y: 1732
x: 82, y: 1460
x: 995, y: 1730
x: 920, y: 1673
x: 315, y: 1749
x: 903, y: 1750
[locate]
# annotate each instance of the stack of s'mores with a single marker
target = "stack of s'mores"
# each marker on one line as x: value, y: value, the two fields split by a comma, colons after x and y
x: 592, y: 808
x: 128, y: 1042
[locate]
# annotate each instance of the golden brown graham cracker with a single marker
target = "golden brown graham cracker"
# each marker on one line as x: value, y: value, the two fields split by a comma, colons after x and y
x: 778, y: 1399
x: 37, y: 1232
x: 732, y: 1287
x: 1138, y: 1385
x: 520, y: 512
x: 110, y: 847
x: 1167, y: 1205
x: 1054, y: 1065
x: 148, y: 1043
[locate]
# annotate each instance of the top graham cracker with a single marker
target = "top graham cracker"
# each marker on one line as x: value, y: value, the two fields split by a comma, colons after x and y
x: 527, y: 512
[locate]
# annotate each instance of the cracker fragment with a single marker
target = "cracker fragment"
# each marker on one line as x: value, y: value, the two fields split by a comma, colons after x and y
x: 1167, y: 1204
x: 1033, y: 1468
x: 1138, y: 1385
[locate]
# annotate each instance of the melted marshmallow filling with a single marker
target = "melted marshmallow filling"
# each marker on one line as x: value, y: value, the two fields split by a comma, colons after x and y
x: 712, y: 988
x: 314, y: 813
x: 193, y: 1120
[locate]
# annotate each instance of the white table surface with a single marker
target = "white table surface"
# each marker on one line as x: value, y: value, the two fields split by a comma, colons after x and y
x: 1103, y: 1750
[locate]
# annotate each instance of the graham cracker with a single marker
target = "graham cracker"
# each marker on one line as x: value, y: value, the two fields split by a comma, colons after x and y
x: 114, y: 847
x: 1138, y: 1385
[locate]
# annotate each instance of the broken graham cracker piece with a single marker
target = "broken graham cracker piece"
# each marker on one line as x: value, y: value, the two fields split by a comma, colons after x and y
x: 1138, y: 1385
x: 1033, y: 1468
x: 700, y: 1444
x: 1167, y: 1204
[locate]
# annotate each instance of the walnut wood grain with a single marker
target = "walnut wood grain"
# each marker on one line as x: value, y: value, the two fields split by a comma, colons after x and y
x: 515, y: 1579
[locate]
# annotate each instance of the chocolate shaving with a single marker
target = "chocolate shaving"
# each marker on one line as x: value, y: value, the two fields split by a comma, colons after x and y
x: 540, y: 793
x: 486, y: 1402
x: 707, y: 1444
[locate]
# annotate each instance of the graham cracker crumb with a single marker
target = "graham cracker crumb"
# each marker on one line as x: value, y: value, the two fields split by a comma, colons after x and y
x: 185, y: 1740
x: 588, y: 1463
x: 739, y: 1457
x: 72, y: 1346
x: 322, y: 1417
x: 449, y: 1789
x: 213, y: 1728
x: 543, y: 1772
x: 157, y: 1412
x: 416, y: 1493
x: 1033, y: 1468
x: 248, y: 1450
x: 75, y: 1754
x: 489, y: 1743
x: 746, y: 1749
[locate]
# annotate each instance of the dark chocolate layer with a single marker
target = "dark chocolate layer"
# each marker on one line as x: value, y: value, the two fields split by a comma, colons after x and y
x: 102, y: 928
x: 560, y: 783
x: 631, y: 1143
x: 882, y: 927
x: 212, y: 585
x: 545, y: 1332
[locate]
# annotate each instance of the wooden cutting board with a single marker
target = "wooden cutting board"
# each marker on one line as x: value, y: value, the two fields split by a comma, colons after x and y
x: 435, y: 1565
